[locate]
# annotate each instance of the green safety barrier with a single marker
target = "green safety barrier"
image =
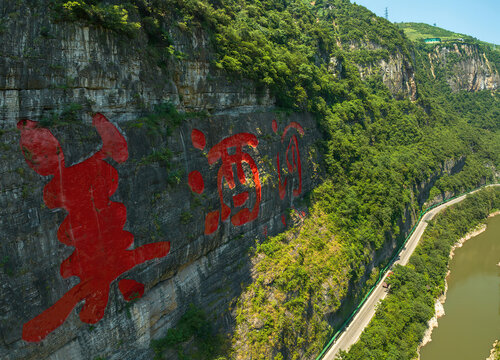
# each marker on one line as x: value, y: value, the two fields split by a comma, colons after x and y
x: 391, y: 262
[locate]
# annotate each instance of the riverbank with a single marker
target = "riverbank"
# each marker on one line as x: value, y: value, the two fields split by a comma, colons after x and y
x: 494, y: 214
x: 495, y: 351
x: 439, y: 304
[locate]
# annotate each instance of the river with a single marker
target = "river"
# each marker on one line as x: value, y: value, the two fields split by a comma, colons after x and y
x: 472, y: 309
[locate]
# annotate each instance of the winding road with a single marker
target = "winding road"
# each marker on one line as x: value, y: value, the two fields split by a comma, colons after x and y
x: 353, y: 331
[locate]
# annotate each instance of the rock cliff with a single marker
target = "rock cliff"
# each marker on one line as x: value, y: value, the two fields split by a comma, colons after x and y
x: 464, y: 67
x: 62, y: 74
x: 396, y: 70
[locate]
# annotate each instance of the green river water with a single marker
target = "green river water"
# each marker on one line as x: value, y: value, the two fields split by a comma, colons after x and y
x: 472, y: 309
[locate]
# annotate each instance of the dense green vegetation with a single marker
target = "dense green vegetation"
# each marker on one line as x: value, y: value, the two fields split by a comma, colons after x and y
x: 401, y: 319
x: 377, y: 145
x: 195, y: 330
x: 113, y: 17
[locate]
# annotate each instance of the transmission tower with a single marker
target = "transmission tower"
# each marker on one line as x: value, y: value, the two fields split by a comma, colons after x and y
x: 386, y: 14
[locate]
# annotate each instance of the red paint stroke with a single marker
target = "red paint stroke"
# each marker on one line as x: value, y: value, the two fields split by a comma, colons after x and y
x: 301, y: 214
x: 283, y: 220
x: 93, y: 226
x: 131, y: 289
x: 211, y: 222
x: 198, y: 139
x: 281, y: 185
x: 293, y: 125
x: 294, y: 164
x: 195, y: 181
x: 292, y: 157
x: 275, y: 126
x: 240, y: 199
x: 221, y: 151
x: 225, y: 173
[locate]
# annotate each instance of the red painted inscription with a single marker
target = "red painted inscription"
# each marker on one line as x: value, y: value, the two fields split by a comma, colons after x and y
x: 292, y: 157
x: 230, y: 152
x: 93, y: 226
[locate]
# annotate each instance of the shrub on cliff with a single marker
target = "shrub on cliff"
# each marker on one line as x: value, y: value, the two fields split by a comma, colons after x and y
x: 113, y: 17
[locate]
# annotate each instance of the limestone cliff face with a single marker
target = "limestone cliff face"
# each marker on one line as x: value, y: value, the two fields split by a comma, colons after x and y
x: 46, y: 69
x: 106, y: 73
x: 396, y: 69
x: 397, y: 74
x: 461, y: 66
x: 464, y: 67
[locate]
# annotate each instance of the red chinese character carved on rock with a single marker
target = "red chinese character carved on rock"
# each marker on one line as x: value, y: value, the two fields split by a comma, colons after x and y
x: 292, y: 157
x: 225, y: 174
x: 93, y: 226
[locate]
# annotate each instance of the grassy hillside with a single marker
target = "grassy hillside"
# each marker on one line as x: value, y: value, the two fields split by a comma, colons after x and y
x: 421, y: 31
